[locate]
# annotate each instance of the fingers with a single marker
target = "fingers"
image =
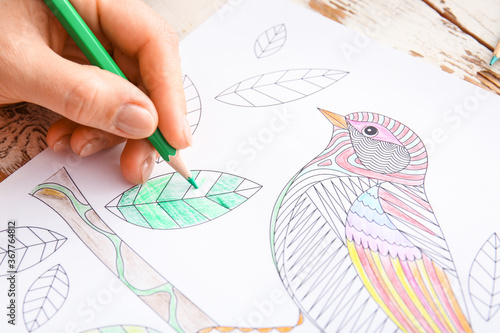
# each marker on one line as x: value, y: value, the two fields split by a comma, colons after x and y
x: 145, y: 36
x: 59, y: 134
x: 138, y: 157
x: 89, y: 96
x: 86, y: 141
x: 83, y: 140
x: 138, y: 160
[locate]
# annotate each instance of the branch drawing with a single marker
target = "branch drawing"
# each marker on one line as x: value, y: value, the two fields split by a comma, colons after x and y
x: 61, y: 194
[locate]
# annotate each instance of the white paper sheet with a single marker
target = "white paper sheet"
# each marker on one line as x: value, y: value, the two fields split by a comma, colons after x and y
x: 225, y: 266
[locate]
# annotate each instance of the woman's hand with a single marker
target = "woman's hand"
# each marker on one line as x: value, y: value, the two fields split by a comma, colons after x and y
x: 40, y: 63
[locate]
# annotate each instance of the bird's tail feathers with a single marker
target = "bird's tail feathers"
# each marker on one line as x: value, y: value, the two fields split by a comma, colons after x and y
x: 415, y: 294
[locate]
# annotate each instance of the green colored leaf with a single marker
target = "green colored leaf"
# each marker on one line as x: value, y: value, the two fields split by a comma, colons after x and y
x: 170, y: 202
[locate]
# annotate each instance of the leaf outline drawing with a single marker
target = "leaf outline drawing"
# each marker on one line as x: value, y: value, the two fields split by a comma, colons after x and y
x: 169, y: 202
x: 122, y: 329
x: 486, y: 268
x: 33, y: 245
x: 270, y: 41
x: 45, y: 297
x: 279, y: 87
x: 193, y: 104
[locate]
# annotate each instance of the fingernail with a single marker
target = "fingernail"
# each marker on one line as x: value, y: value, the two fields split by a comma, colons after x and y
x: 134, y: 121
x: 93, y: 146
x: 62, y: 143
x: 187, y: 132
x: 147, y: 167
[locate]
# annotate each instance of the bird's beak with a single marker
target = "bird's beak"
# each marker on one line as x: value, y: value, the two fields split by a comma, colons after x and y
x: 334, y: 118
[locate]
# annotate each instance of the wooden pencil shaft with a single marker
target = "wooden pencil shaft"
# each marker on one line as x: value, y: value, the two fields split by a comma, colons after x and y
x: 496, y: 52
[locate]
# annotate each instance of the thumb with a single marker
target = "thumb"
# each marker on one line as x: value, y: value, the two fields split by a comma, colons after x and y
x: 90, y: 96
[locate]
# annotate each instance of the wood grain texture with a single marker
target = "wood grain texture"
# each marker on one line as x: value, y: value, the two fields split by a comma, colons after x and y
x: 480, y: 19
x: 23, y: 128
x: 440, y: 32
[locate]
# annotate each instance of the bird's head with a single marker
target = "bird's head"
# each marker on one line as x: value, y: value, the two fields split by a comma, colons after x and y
x: 375, y: 146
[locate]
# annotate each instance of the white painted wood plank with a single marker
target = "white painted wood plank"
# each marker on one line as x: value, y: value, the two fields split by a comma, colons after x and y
x: 184, y: 16
x: 414, y: 28
x: 482, y: 18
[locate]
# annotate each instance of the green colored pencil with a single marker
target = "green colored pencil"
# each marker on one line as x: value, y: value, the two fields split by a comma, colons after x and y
x: 496, y: 54
x: 98, y: 56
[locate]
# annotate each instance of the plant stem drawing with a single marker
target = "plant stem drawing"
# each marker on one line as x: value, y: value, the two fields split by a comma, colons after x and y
x: 270, y: 41
x: 61, y: 194
x: 169, y: 202
x: 33, y: 245
x: 45, y: 297
x: 484, y: 279
x: 279, y: 87
x: 355, y: 240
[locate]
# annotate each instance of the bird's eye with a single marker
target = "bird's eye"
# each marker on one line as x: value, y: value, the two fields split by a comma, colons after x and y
x: 370, y: 131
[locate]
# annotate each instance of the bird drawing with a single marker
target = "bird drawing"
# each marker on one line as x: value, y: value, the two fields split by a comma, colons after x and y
x: 355, y: 240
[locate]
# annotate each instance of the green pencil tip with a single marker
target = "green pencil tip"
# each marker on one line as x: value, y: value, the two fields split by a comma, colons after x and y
x: 192, y: 182
x: 493, y: 60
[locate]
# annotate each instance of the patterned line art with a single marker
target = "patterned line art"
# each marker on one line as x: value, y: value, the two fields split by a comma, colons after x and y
x: 484, y: 279
x: 360, y: 250
x: 169, y: 202
x: 193, y: 104
x: 279, y: 87
x: 45, y: 297
x: 270, y: 41
x: 33, y: 245
x: 123, y: 329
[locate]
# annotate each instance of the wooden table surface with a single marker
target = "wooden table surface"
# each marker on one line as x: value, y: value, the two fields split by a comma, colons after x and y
x: 457, y: 36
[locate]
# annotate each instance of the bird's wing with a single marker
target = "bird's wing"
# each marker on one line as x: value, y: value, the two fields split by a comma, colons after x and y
x: 408, y: 209
x: 312, y: 259
x: 397, y: 266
